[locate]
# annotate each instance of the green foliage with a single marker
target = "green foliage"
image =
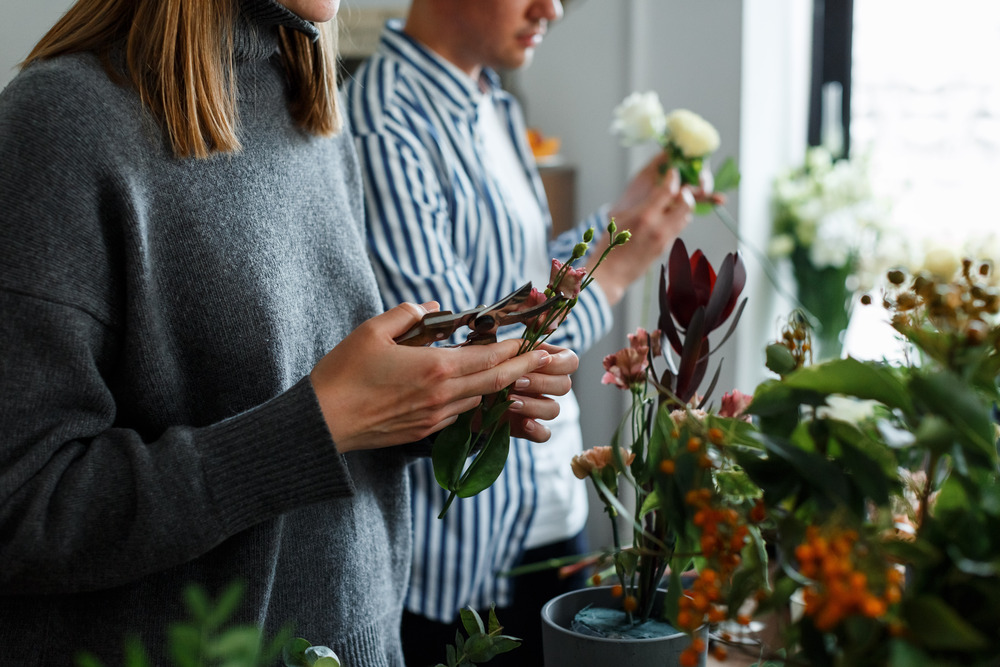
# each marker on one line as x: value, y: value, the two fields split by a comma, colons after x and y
x: 206, y: 638
x: 482, y: 644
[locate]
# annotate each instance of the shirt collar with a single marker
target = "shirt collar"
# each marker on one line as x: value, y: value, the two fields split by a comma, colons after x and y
x: 453, y: 87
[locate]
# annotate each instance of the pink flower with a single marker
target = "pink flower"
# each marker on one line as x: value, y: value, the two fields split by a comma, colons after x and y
x: 734, y: 404
x: 626, y: 367
x: 569, y: 283
x: 641, y: 338
x: 597, y: 458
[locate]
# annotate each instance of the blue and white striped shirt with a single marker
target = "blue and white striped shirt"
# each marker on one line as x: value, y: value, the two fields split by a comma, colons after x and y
x: 439, y: 228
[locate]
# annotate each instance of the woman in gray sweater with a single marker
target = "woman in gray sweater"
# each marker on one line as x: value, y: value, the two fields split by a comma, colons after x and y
x: 195, y: 383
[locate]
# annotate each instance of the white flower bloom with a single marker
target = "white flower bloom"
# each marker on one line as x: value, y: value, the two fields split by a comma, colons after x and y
x: 836, y: 239
x: 692, y: 134
x: 639, y: 119
x: 780, y: 246
x: 942, y: 261
x: 846, y: 409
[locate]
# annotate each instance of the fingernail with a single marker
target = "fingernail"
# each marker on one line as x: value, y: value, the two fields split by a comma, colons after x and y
x: 516, y: 405
x: 530, y: 425
x: 522, y: 383
x: 544, y: 358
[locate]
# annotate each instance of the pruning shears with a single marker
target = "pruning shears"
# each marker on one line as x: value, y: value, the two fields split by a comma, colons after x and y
x: 482, y: 320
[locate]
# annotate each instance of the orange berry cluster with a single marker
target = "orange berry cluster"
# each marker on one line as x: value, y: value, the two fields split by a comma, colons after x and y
x: 723, y: 536
x: 840, y: 588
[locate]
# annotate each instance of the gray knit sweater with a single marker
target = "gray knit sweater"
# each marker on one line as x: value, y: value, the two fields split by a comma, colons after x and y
x: 158, y: 320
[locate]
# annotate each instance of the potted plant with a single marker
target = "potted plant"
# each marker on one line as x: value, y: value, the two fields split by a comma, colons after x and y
x: 690, y: 499
x: 881, y: 484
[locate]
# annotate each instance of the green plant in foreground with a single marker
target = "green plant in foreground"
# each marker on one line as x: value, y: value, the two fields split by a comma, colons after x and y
x: 482, y: 645
x: 207, y: 638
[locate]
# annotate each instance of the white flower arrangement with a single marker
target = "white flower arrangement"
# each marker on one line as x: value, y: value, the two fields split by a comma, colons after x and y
x: 828, y: 209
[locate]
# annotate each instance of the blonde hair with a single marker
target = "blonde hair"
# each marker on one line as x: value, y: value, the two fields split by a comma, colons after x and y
x: 184, y: 73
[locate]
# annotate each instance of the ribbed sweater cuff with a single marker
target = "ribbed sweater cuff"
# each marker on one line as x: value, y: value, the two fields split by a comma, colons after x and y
x: 272, y: 459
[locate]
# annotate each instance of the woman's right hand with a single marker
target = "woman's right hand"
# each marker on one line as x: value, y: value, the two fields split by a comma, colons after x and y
x: 375, y: 393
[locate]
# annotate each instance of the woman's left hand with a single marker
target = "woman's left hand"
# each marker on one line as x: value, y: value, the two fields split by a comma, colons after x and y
x: 531, y: 394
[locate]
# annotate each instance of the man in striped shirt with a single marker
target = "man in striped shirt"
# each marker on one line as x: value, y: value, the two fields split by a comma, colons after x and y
x: 456, y: 213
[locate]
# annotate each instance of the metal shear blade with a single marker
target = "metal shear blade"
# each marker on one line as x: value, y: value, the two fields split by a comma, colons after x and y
x: 441, y: 325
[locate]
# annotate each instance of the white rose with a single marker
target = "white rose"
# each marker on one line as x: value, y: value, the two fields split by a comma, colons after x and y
x: 692, y: 134
x: 639, y: 118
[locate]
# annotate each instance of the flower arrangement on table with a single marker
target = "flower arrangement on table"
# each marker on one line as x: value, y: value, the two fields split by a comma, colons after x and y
x: 828, y: 222
x: 690, y: 499
x: 874, y: 486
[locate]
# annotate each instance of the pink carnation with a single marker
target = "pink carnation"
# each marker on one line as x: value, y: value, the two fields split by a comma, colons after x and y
x: 570, y: 283
x: 734, y: 404
x: 597, y: 458
x: 626, y: 367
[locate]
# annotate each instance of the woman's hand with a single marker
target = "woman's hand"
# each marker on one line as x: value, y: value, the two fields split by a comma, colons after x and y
x: 375, y: 393
x: 531, y: 394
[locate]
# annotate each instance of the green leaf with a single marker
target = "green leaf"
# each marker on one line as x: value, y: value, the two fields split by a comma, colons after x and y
x: 939, y: 627
x: 241, y: 640
x: 728, y: 176
x: 472, y: 622
x: 451, y: 449
x: 946, y: 394
x: 494, y: 624
x: 293, y: 652
x: 136, y: 654
x: 197, y: 602
x: 185, y: 644
x: 321, y: 656
x: 225, y: 606
x: 87, y: 659
x: 487, y: 465
x: 853, y: 378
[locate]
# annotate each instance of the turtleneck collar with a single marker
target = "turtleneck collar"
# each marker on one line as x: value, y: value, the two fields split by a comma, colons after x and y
x: 256, y: 33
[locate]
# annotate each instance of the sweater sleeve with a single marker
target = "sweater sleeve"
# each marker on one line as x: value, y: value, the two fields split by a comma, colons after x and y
x: 92, y: 498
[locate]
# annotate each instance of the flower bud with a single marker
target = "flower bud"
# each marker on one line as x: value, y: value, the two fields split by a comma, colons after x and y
x: 579, y: 250
x: 588, y: 235
x: 622, y: 238
x: 612, y: 228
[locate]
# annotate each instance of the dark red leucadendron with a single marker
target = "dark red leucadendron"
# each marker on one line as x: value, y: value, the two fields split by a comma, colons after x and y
x: 694, y: 302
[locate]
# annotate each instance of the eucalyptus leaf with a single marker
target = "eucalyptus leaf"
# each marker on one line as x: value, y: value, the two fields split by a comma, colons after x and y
x: 472, y: 622
x: 293, y: 652
x: 451, y: 450
x: 487, y: 465
x: 321, y: 656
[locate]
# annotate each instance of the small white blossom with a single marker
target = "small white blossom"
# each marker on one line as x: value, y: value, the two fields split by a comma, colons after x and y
x: 639, y: 119
x: 692, y: 134
x: 941, y: 260
x: 780, y: 246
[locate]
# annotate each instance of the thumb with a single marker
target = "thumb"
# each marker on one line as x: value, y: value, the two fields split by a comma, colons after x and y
x: 397, y: 321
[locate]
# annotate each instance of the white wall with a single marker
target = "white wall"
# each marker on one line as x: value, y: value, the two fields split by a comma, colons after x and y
x: 24, y: 23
